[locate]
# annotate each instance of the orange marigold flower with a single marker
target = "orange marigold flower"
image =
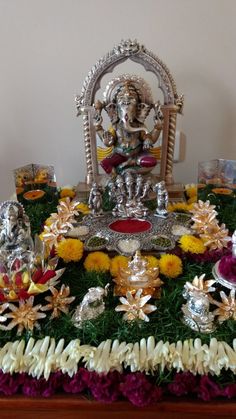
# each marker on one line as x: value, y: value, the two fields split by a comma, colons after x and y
x: 178, y: 207
x: 70, y: 250
x: 189, y: 243
x: 67, y: 192
x: 83, y: 208
x: 152, y: 261
x: 191, y: 191
x: 97, y: 261
x: 117, y: 263
x: 170, y: 265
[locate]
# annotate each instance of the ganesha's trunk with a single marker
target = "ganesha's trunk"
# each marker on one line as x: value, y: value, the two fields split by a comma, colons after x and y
x: 130, y: 129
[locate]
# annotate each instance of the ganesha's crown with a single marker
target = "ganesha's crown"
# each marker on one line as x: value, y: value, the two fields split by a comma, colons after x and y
x: 126, y: 92
x: 127, y: 84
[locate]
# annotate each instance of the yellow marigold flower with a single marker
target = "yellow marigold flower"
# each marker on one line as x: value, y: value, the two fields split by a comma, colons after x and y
x: 192, y: 244
x: 82, y: 207
x: 67, y: 192
x: 70, y: 250
x: 191, y: 191
x: 192, y: 201
x: 152, y: 261
x: 97, y: 261
x: 178, y: 207
x: 170, y: 265
x: 117, y: 263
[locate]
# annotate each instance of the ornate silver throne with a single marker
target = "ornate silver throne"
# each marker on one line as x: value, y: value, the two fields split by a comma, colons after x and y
x: 172, y: 104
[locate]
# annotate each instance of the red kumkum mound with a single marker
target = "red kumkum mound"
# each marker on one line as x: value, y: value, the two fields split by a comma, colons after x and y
x: 130, y: 225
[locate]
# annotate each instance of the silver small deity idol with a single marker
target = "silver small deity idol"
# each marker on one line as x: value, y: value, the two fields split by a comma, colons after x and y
x: 138, y: 186
x: 91, y: 306
x: 128, y: 195
x: 129, y: 182
x: 162, y: 199
x: 196, y: 311
x: 111, y: 189
x: 95, y: 200
x: 15, y: 234
x: 120, y: 185
x: 147, y: 187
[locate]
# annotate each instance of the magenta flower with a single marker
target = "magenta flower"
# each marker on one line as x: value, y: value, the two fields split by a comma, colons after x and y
x: 230, y: 391
x: 139, y: 390
x: 77, y: 383
x: 33, y: 387
x: 227, y: 268
x: 208, y: 389
x: 105, y: 387
x: 9, y: 384
x: 183, y: 383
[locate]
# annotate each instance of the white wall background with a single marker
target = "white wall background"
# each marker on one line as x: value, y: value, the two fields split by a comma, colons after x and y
x: 47, y: 48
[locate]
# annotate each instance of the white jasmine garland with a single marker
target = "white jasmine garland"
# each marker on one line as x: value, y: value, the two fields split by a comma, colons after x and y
x: 40, y: 358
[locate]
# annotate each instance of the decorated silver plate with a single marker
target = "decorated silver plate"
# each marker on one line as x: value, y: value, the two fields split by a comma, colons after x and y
x: 126, y: 235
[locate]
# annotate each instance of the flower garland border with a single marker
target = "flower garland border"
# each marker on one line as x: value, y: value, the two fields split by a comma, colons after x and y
x: 42, y: 357
x: 137, y: 388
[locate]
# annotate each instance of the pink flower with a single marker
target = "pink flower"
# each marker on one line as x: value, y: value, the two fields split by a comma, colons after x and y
x: 105, y: 387
x: 139, y: 390
x: 33, y: 387
x: 230, y: 391
x: 183, y: 383
x: 9, y: 384
x: 208, y: 390
x: 227, y: 268
x: 77, y: 383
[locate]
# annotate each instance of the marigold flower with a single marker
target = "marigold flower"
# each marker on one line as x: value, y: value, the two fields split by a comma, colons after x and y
x: 192, y: 200
x: 67, y: 192
x: 70, y: 250
x: 178, y: 207
x: 82, y: 207
x: 97, y: 261
x: 152, y: 262
x: 191, y: 191
x: 191, y: 244
x: 170, y: 265
x: 117, y: 263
